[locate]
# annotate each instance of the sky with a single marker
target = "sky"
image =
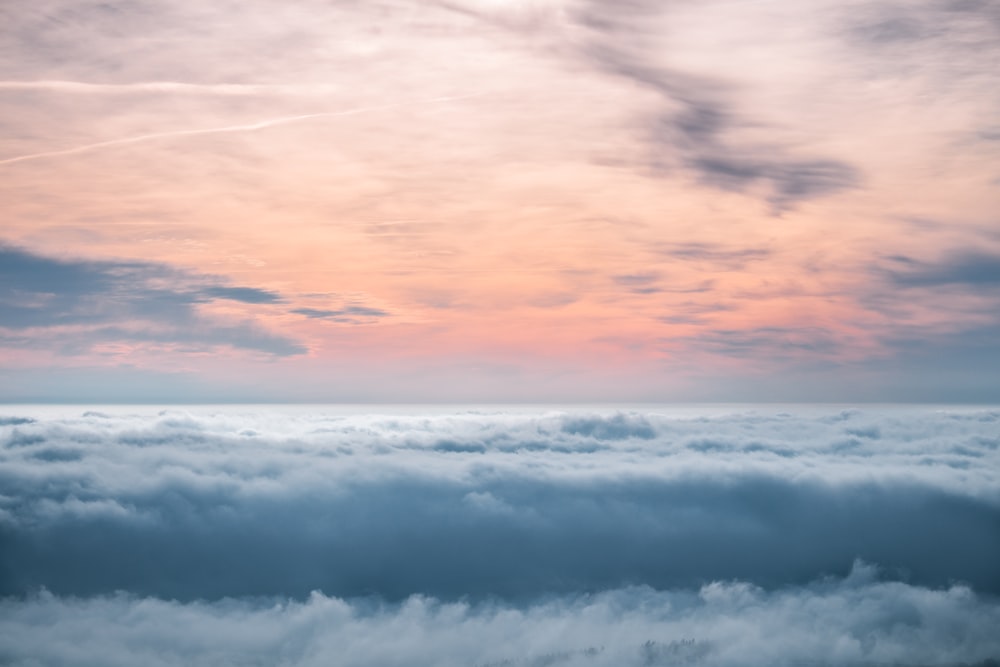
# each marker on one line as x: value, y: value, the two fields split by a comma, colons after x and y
x: 500, y: 200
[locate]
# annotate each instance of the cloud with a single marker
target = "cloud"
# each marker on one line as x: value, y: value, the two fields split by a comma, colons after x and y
x: 488, y: 537
x: 617, y: 427
x: 690, y: 312
x: 892, y: 25
x: 345, y: 314
x: 700, y: 114
x: 167, y: 87
x: 512, y: 505
x: 791, y: 180
x: 244, y: 294
x: 715, y: 253
x: 698, y: 123
x: 99, y: 42
x: 973, y: 268
x: 853, y: 621
x: 779, y: 342
x: 123, y: 301
x: 14, y: 421
x: 244, y: 127
x: 640, y: 282
x: 636, y: 279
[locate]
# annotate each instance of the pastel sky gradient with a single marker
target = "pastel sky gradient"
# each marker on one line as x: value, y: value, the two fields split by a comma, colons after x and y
x: 500, y: 200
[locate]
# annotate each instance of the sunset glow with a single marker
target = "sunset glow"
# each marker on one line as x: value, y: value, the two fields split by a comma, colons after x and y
x: 487, y: 200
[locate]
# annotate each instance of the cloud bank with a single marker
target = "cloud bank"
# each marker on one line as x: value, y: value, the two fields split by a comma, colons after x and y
x: 511, y: 536
x: 516, y: 505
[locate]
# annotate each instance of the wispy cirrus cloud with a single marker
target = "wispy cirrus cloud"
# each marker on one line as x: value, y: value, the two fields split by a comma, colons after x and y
x: 714, y: 253
x: 168, y: 88
x: 247, y: 127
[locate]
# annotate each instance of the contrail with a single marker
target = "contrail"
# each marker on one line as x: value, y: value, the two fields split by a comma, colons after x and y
x: 82, y: 87
x: 271, y: 122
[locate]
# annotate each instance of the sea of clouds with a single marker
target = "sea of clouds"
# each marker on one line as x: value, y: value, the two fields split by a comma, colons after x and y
x: 245, y: 535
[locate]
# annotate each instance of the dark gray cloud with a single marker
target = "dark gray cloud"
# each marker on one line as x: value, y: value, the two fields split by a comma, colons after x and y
x: 791, y: 180
x: 123, y: 300
x: 701, y: 114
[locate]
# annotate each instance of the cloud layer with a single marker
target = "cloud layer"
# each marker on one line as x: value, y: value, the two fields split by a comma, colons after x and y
x: 515, y: 536
x: 516, y: 505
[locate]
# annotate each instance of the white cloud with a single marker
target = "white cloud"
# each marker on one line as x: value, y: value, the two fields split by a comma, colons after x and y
x: 837, y: 622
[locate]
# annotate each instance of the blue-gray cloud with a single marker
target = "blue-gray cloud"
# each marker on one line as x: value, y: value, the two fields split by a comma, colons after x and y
x: 345, y: 314
x: 971, y: 268
x: 244, y: 294
x: 123, y: 300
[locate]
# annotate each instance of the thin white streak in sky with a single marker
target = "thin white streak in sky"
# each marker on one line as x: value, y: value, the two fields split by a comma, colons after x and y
x: 170, y: 87
x: 260, y: 125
